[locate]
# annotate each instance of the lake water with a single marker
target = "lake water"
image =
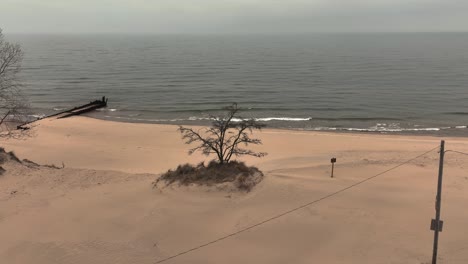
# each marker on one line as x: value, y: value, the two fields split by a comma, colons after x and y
x: 392, y: 83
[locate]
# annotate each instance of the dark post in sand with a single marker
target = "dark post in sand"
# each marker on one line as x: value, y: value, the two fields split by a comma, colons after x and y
x: 333, y: 161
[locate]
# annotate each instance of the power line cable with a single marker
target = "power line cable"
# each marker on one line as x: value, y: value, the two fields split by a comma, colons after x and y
x: 459, y: 152
x: 293, y: 210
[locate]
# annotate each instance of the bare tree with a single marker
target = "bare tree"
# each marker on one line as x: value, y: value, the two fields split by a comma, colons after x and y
x: 226, y: 137
x: 14, y: 108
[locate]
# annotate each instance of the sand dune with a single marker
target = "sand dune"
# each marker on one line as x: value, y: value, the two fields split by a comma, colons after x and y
x: 97, y: 210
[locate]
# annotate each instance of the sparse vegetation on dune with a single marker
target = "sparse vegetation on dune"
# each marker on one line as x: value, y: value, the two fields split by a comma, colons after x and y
x: 6, y: 156
x: 10, y: 156
x: 241, y: 176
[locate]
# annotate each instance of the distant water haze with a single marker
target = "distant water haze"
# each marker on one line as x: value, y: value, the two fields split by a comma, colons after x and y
x: 388, y: 82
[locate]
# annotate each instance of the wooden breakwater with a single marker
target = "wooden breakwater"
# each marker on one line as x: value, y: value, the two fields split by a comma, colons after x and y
x: 93, y: 105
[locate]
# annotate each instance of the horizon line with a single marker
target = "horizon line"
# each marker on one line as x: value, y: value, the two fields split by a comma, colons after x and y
x: 228, y: 34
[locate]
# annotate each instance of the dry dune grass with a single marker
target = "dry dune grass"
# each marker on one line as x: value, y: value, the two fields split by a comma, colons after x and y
x: 235, y: 173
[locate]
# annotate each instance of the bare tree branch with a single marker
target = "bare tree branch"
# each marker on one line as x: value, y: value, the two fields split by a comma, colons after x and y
x: 14, y: 107
x: 225, y: 136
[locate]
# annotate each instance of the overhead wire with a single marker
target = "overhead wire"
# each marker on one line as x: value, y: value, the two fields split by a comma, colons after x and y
x: 459, y: 152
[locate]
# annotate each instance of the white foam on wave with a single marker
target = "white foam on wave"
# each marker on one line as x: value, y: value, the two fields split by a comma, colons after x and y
x: 145, y: 120
x: 260, y: 119
x: 196, y: 118
x: 38, y: 116
x: 266, y: 119
x: 324, y: 129
x: 377, y: 129
x: 107, y: 109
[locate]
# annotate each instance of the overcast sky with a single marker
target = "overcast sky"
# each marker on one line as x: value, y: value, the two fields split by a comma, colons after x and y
x: 231, y: 16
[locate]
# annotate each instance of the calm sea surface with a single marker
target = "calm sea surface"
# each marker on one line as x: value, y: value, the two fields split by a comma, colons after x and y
x: 392, y: 83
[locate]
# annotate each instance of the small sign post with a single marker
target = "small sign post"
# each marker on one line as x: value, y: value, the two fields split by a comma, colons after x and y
x: 333, y: 161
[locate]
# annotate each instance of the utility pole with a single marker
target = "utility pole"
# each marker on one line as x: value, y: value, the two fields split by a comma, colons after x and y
x: 436, y: 224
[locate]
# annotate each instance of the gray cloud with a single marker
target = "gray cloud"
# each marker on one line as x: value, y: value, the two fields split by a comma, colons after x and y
x: 232, y: 16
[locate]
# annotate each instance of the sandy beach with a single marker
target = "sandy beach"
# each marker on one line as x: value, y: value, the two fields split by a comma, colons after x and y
x: 101, y: 207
